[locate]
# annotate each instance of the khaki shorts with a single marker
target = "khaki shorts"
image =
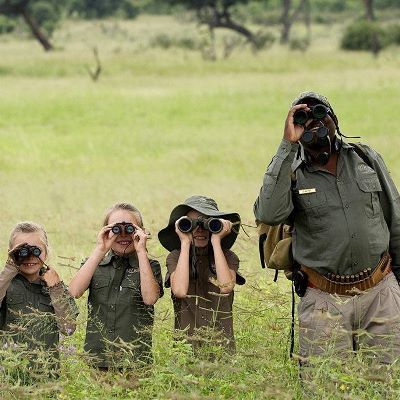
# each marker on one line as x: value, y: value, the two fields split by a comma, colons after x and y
x: 368, y: 322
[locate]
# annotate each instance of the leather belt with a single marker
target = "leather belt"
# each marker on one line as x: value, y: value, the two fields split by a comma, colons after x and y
x: 349, y: 285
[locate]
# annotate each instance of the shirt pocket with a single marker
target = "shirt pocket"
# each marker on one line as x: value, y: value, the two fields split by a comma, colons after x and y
x: 370, y: 187
x: 130, y: 289
x: 314, y: 207
x: 16, y: 305
x: 99, y: 289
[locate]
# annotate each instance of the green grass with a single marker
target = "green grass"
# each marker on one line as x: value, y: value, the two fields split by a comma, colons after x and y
x: 158, y: 127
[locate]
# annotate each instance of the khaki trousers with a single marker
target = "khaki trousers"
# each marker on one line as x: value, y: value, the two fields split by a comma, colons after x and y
x: 336, y: 325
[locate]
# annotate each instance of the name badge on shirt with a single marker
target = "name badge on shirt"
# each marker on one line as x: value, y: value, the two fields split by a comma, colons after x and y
x: 306, y: 191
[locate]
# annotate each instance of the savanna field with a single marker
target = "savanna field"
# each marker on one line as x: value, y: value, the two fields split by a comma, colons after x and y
x: 158, y: 126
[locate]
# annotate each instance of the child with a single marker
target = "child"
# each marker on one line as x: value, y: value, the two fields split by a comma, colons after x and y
x: 123, y: 286
x: 202, y: 271
x: 35, y: 304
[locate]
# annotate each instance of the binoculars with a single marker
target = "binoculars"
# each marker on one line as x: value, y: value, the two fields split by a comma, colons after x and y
x: 26, y: 251
x: 186, y: 225
x: 320, y: 137
x: 123, y: 227
x: 319, y: 111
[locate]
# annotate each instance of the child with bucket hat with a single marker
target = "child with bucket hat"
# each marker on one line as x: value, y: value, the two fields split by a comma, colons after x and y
x: 202, y: 270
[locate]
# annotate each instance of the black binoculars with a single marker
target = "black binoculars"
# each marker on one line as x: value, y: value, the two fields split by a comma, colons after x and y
x: 186, y: 224
x: 319, y: 111
x: 320, y: 137
x: 123, y: 227
x: 26, y: 251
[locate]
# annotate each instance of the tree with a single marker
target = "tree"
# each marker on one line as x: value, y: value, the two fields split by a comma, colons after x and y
x: 369, y: 9
x: 287, y: 19
x: 25, y: 9
x: 218, y: 14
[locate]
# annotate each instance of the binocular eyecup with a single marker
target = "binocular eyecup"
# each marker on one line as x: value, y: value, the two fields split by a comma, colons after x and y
x: 25, y: 251
x: 319, y: 111
x: 186, y: 224
x: 320, y: 137
x: 123, y: 227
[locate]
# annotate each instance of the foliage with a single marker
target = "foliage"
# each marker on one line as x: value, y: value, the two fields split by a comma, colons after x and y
x: 7, y: 24
x: 393, y: 34
x: 104, y: 8
x: 364, y: 35
x: 47, y: 14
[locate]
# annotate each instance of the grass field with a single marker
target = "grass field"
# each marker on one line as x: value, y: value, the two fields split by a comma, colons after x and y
x: 158, y: 126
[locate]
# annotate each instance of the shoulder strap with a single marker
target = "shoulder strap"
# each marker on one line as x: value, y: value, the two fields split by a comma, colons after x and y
x: 362, y: 153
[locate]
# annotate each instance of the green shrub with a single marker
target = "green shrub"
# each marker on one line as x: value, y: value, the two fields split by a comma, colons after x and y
x: 161, y: 40
x: 393, y: 34
x: 7, y: 25
x: 46, y: 15
x: 364, y: 35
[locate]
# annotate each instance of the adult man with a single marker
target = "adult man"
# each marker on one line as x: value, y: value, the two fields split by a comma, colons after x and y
x: 345, y: 210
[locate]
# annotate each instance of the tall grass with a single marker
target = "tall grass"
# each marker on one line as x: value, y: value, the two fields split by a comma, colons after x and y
x: 158, y: 127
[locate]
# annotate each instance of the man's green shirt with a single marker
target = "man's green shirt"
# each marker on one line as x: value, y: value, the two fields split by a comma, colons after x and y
x: 343, y: 223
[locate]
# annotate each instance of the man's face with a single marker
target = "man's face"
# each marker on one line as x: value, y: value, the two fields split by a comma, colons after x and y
x: 313, y: 125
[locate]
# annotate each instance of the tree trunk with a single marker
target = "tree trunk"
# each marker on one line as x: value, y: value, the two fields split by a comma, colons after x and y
x: 286, y: 23
x: 36, y: 31
x: 369, y: 9
x: 237, y: 28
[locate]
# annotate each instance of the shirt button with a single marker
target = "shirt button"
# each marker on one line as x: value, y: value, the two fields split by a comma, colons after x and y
x: 112, y: 306
x: 346, y: 205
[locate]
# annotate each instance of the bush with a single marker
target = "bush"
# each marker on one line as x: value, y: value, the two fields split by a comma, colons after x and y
x: 46, y: 15
x: 263, y: 40
x: 7, y: 25
x: 364, y: 35
x: 393, y: 34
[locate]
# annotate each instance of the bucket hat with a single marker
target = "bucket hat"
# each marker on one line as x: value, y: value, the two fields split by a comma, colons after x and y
x: 204, y: 205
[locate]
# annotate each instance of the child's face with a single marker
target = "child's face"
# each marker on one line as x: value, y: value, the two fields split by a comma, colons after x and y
x: 200, y: 235
x: 31, y: 265
x: 124, y: 242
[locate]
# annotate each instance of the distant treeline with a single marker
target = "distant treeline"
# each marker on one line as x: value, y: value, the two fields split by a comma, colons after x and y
x: 43, y: 16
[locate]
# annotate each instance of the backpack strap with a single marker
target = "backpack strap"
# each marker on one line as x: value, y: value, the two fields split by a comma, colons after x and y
x: 362, y: 153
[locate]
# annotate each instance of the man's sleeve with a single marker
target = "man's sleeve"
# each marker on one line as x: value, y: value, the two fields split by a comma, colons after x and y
x: 390, y: 203
x: 274, y: 203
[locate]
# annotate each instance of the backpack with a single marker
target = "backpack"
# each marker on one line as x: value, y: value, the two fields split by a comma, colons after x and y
x: 275, y: 242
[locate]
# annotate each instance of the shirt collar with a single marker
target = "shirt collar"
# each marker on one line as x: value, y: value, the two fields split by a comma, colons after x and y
x: 300, y: 157
x: 111, y: 256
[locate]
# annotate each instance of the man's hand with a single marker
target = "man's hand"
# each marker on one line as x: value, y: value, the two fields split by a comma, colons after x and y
x: 293, y: 132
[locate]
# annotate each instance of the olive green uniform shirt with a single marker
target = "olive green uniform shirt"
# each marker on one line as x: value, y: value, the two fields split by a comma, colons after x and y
x: 119, y: 327
x: 342, y: 223
x: 204, y: 306
x: 32, y: 313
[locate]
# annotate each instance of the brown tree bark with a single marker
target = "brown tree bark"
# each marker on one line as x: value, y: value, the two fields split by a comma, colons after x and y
x: 35, y: 29
x: 287, y: 19
x: 369, y: 9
